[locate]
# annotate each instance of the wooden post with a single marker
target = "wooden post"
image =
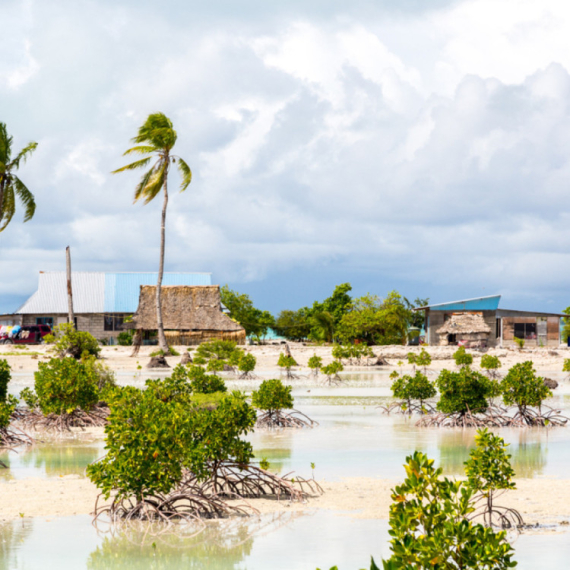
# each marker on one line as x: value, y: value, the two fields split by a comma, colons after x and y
x: 69, y: 288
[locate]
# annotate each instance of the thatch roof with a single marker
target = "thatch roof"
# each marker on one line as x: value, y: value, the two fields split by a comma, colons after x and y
x: 465, y: 323
x: 183, y: 308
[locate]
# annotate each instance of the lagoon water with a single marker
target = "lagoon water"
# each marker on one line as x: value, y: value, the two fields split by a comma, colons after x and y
x: 353, y: 439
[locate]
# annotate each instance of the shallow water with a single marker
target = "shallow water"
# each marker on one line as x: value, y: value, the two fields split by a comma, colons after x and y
x: 277, y: 542
x: 353, y: 439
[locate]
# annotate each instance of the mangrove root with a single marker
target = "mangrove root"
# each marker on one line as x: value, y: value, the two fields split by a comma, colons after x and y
x: 274, y: 419
x: 11, y: 437
x: 409, y: 408
x: 250, y: 482
x: 35, y: 420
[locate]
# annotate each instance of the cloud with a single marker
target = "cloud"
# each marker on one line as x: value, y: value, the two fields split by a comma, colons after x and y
x: 432, y: 144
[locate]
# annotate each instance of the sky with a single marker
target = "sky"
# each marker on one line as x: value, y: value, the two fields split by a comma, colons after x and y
x: 418, y: 145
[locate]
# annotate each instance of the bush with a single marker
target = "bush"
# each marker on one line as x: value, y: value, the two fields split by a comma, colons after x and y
x: 247, y: 363
x: 488, y: 468
x: 489, y: 362
x: 219, y: 351
x: 566, y: 366
x: 151, y: 442
x: 67, y: 341
x: 7, y: 407
x: 286, y: 361
x: 30, y: 398
x: 430, y: 526
x: 171, y: 352
x: 203, y: 383
x: 272, y: 395
x: 519, y: 342
x: 410, y: 388
x: 331, y: 370
x: 5, y: 377
x: 315, y: 362
x: 125, y: 338
x: 462, y: 357
x: 463, y: 391
x: 65, y: 384
x: 523, y: 388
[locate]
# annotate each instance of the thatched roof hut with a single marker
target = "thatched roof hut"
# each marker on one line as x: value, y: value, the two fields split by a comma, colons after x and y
x: 469, y: 329
x: 190, y: 314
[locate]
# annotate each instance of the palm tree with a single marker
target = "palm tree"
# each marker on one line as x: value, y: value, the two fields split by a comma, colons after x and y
x: 323, y: 324
x: 10, y: 185
x: 156, y: 138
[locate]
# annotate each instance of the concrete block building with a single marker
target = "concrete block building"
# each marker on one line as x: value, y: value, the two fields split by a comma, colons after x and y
x: 489, y: 325
x: 101, y: 301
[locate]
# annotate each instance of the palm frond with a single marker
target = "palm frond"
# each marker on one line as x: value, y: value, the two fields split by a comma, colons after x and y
x: 23, y: 155
x: 185, y: 172
x: 8, y: 207
x: 155, y: 183
x: 26, y: 197
x: 134, y: 165
x: 157, y: 130
x: 5, y: 144
x: 141, y: 149
x: 142, y: 184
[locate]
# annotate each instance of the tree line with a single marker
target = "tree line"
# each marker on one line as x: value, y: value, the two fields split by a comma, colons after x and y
x: 339, y: 318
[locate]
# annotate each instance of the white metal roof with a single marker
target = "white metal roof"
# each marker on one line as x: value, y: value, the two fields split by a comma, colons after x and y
x: 51, y: 296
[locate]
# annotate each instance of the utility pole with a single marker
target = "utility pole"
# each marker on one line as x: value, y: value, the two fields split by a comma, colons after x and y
x: 69, y: 289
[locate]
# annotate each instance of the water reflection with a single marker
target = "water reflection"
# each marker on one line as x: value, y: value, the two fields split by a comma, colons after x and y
x: 12, y: 534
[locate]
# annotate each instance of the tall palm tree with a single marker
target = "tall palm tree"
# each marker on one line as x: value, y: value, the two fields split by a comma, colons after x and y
x: 11, y: 187
x: 155, y: 139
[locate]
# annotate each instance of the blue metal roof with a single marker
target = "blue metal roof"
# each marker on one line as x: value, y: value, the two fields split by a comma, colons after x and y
x: 490, y: 303
x: 122, y: 289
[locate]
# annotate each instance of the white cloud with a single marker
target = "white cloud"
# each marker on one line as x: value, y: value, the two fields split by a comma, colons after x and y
x: 433, y: 147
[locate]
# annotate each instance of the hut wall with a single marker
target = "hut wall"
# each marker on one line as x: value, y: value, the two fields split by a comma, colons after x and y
x: 194, y: 338
x: 438, y: 318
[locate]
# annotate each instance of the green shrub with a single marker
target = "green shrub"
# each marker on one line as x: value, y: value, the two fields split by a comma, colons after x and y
x: 216, y: 354
x: 272, y: 395
x: 488, y: 468
x: 462, y: 357
x: 430, y: 525
x: 410, y: 388
x: 519, y: 342
x: 523, y: 388
x: 5, y: 377
x: 463, y: 391
x: 7, y: 407
x: 489, y: 362
x: 566, y: 366
x: 125, y: 338
x: 150, y: 442
x: 64, y: 384
x: 67, y: 341
x: 315, y: 362
x: 331, y: 370
x: 30, y: 398
x: 203, y: 383
x: 286, y: 361
x: 247, y: 363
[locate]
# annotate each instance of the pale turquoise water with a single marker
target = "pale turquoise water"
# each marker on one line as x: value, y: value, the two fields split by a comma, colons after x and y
x: 353, y: 439
x: 304, y: 542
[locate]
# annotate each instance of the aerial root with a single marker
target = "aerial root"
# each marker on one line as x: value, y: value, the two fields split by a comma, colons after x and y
x: 35, y: 420
x: 331, y: 380
x: 496, y: 416
x: 409, y: 408
x: 186, y: 504
x: 275, y: 419
x: 504, y: 518
x: 248, y: 376
x: 250, y: 482
x: 11, y: 437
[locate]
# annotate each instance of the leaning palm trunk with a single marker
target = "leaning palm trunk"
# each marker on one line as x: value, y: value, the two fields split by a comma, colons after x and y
x: 161, y: 336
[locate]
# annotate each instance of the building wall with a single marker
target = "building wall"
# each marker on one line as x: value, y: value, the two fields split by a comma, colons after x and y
x: 552, y: 331
x: 438, y: 318
x: 92, y: 323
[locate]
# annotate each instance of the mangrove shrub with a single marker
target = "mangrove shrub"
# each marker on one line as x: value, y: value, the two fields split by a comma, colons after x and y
x: 413, y: 388
x: 272, y: 395
x: 462, y: 357
x: 430, y: 526
x: 67, y: 341
x: 464, y: 391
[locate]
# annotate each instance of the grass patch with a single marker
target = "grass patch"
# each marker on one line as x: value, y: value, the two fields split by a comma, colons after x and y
x: 30, y: 353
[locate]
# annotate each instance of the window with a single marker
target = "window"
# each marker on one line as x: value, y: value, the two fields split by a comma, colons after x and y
x: 525, y: 330
x: 44, y: 321
x: 114, y: 322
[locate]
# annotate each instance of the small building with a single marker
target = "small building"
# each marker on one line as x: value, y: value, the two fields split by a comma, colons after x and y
x: 480, y: 322
x: 101, y: 301
x: 190, y: 315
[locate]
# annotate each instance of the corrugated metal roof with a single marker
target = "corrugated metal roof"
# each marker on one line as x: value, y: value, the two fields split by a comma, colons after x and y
x: 122, y: 289
x: 490, y: 303
x: 51, y: 296
x: 98, y: 292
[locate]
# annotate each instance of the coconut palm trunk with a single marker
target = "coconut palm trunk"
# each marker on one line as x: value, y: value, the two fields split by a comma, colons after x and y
x: 160, y: 325
x: 157, y: 138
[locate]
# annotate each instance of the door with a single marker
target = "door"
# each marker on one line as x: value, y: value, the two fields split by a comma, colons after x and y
x: 541, y: 331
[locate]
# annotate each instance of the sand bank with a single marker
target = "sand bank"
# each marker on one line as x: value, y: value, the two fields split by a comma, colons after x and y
x: 543, y: 501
